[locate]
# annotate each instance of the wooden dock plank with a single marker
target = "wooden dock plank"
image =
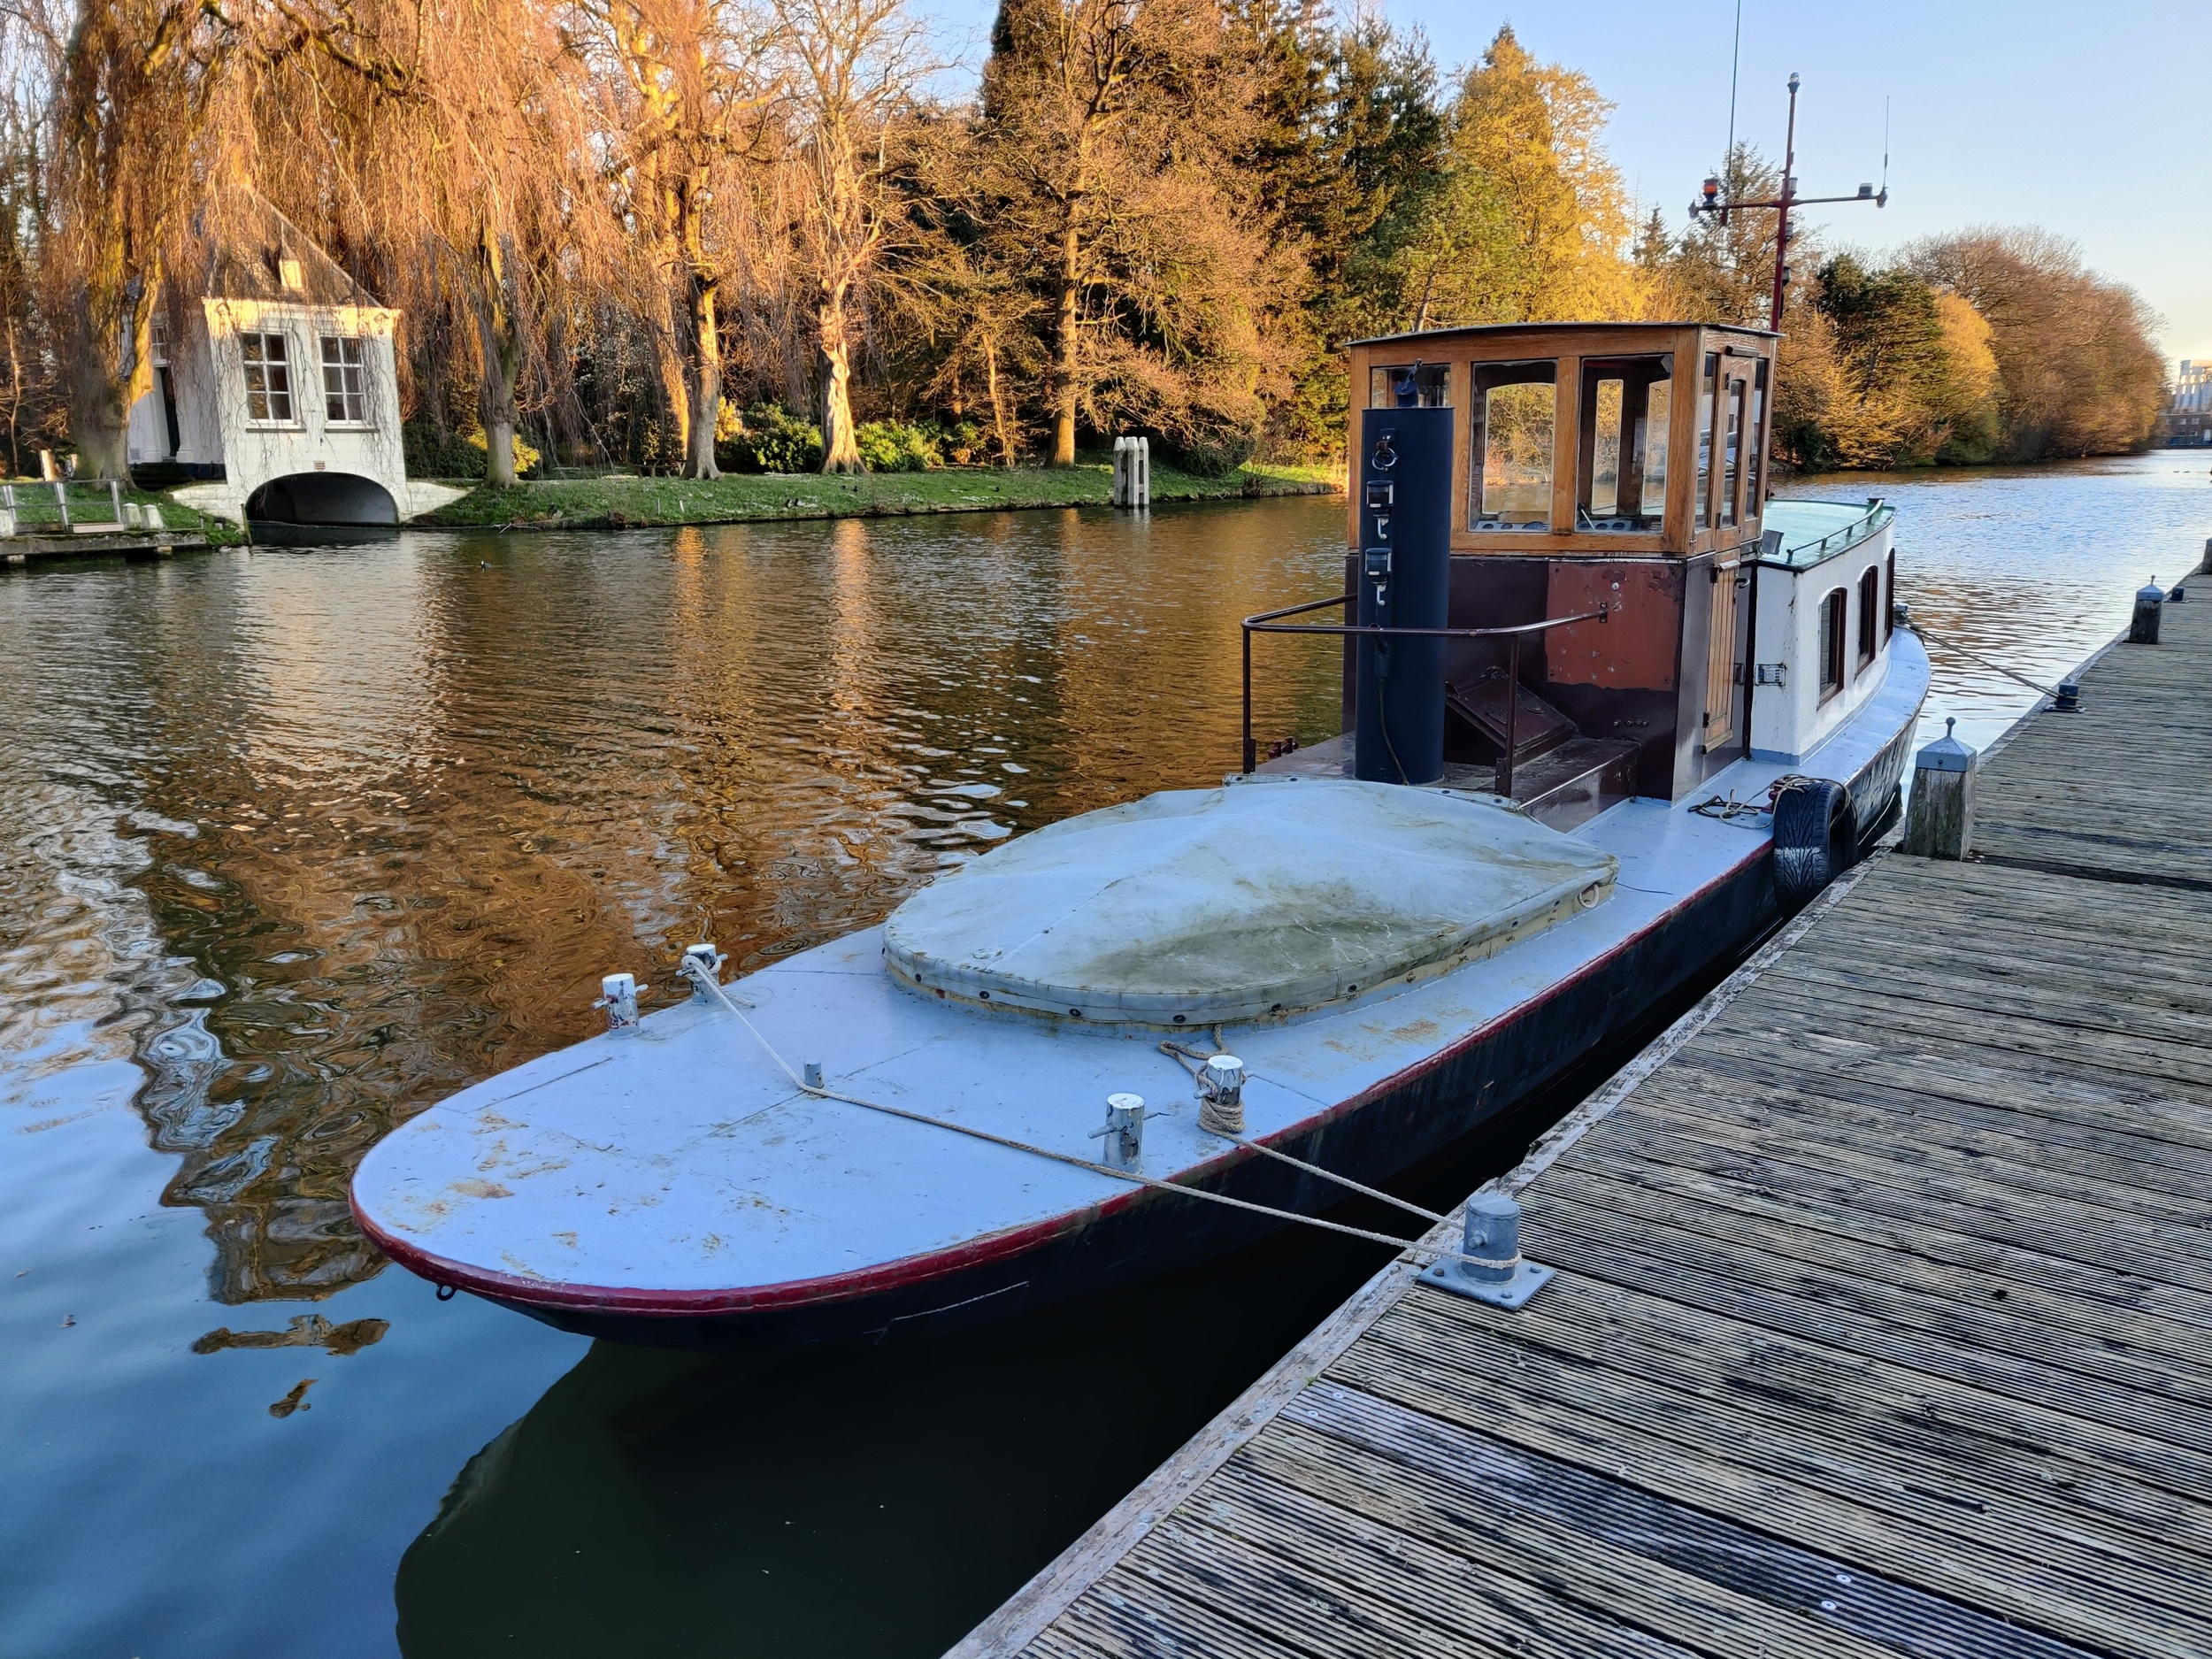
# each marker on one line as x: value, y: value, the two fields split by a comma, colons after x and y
x: 1879, y: 1326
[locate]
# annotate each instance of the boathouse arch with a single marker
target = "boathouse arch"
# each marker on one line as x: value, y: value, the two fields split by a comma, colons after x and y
x: 324, y: 499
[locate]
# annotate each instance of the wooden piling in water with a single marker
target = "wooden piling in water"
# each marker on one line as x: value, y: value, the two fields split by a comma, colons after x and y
x: 1879, y: 1323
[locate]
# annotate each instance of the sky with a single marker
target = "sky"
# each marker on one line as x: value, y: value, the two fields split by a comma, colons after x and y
x: 2091, y: 121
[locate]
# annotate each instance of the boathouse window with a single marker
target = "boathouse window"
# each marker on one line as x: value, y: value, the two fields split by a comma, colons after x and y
x: 1624, y: 442
x: 268, y: 378
x: 1832, y: 619
x: 1432, y: 385
x: 345, y: 381
x: 1869, y: 612
x: 1889, y: 611
x: 1511, y: 446
x: 1707, y: 387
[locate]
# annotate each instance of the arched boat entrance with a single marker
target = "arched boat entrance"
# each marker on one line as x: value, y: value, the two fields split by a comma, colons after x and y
x: 320, y: 507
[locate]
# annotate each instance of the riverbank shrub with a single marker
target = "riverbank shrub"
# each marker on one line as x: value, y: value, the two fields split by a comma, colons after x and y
x: 898, y: 446
x: 771, y: 439
x: 434, y: 454
x: 1214, y: 455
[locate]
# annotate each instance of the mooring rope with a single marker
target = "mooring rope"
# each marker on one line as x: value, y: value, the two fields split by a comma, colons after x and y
x: 700, y: 975
x: 1926, y: 632
x: 1216, y: 1122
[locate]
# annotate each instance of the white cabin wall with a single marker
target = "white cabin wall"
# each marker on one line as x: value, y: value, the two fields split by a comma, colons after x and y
x: 1789, y: 721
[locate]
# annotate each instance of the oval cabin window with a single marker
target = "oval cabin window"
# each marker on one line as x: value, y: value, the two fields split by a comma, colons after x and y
x: 1869, y: 612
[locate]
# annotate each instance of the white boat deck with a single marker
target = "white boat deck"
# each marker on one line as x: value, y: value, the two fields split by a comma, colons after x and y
x: 679, y: 1160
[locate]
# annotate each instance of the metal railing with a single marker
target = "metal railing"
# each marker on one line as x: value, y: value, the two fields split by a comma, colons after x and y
x: 28, y: 508
x: 1804, y: 554
x: 1269, y: 622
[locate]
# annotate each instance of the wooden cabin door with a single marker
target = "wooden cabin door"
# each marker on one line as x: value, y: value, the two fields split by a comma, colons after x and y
x: 1720, y: 657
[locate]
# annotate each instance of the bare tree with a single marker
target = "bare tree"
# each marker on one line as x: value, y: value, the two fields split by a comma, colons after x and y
x: 690, y: 95
x: 853, y: 65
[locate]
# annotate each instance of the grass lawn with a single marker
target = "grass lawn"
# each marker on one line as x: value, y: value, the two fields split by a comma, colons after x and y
x: 623, y: 501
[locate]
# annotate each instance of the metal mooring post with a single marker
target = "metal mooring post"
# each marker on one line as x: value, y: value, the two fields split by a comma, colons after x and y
x: 1499, y: 1273
x: 1939, y: 823
x: 617, y: 994
x: 2143, y: 627
x: 2205, y: 564
x: 1124, y: 1131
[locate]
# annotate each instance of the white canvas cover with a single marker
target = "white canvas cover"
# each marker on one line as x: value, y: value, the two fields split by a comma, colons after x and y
x: 1202, y: 905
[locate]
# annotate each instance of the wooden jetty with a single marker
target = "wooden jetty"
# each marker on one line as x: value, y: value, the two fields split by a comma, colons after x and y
x: 1883, y: 1306
x: 128, y: 543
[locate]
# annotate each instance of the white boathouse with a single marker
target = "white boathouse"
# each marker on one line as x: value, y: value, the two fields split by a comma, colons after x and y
x: 275, y: 386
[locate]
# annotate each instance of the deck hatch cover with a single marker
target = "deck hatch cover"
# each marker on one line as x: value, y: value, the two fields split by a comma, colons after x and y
x: 1196, y: 906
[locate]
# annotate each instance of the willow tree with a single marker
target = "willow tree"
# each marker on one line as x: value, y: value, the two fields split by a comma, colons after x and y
x: 135, y: 81
x: 853, y: 66
x: 458, y: 128
x: 689, y: 91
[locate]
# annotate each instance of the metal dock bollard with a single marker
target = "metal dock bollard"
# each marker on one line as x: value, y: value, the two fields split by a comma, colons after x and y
x: 1500, y: 1274
x: 2143, y: 627
x: 1940, y: 823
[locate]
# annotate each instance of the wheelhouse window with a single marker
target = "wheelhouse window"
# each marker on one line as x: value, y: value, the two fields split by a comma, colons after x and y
x: 1511, y: 446
x: 1754, y: 440
x: 1831, y: 620
x: 268, y: 378
x: 1708, y: 385
x: 1732, y: 451
x: 1430, y: 383
x: 1621, y: 478
x: 1889, y: 611
x: 1869, y: 613
x: 345, y: 381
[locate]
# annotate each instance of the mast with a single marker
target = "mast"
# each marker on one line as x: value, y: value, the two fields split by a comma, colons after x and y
x: 1782, y: 228
x: 1710, y: 201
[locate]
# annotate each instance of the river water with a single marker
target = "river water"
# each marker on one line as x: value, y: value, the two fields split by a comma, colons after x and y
x: 294, y: 843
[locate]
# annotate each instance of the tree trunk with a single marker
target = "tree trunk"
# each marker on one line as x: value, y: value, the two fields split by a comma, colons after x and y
x: 502, y: 346
x: 840, y: 445
x: 998, y: 401
x: 1064, y: 350
x: 675, y: 388
x: 100, y: 399
x: 704, y: 344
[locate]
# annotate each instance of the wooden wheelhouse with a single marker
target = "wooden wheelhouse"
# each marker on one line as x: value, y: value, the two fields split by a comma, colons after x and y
x: 1621, y: 463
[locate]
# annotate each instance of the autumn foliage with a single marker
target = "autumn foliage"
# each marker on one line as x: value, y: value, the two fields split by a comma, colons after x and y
x: 672, y: 234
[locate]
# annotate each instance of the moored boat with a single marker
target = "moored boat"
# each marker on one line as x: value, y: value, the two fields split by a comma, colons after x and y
x: 1583, y: 655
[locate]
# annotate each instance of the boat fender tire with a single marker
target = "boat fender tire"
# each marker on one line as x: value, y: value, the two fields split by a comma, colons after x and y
x: 1815, y: 837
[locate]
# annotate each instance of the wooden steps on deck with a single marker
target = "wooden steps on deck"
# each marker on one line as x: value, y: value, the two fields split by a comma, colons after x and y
x: 1880, y: 1327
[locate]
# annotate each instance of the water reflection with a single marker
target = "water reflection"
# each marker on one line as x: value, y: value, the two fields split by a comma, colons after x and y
x: 383, y: 815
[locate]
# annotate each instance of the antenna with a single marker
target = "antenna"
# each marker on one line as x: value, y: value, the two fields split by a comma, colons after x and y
x: 1735, y: 62
x: 1885, y: 195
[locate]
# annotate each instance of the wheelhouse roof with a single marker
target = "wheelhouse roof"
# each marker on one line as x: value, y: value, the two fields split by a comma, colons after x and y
x: 1509, y: 330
